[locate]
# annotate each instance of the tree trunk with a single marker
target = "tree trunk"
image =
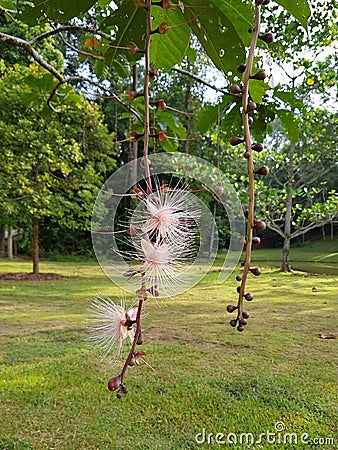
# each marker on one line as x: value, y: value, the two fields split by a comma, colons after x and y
x: 10, y: 242
x: 287, y: 232
x: 2, y: 240
x: 212, y: 233
x: 286, y: 256
x: 323, y: 233
x: 35, y: 246
x: 288, y: 214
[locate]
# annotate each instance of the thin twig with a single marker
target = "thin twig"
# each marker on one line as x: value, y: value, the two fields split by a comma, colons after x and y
x: 74, y: 28
x: 199, y: 80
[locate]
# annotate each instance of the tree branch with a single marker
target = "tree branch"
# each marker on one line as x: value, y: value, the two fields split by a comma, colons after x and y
x: 76, y: 50
x: 311, y: 226
x: 74, y: 28
x: 276, y: 228
x: 79, y: 79
x: 20, y: 43
x: 319, y: 174
x: 7, y: 11
x: 199, y: 80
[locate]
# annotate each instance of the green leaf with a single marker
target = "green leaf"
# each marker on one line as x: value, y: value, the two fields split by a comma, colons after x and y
x: 8, y: 4
x: 130, y: 24
x: 232, y: 121
x: 40, y: 84
x: 240, y: 14
x: 260, y: 127
x: 207, y: 118
x: 257, y: 89
x: 121, y: 68
x: 209, y: 114
x: 217, y: 35
x: 61, y: 10
x: 190, y: 53
x: 290, y: 124
x: 172, y: 123
x: 299, y: 9
x: 168, y: 49
x: 169, y: 145
x: 28, y: 97
x: 289, y: 97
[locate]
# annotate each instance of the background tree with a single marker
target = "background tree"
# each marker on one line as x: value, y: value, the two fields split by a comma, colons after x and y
x: 53, y: 164
x: 296, y: 197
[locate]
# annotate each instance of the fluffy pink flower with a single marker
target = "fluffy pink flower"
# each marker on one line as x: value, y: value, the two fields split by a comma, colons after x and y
x: 162, y: 264
x: 164, y: 238
x: 166, y: 215
x: 110, y: 325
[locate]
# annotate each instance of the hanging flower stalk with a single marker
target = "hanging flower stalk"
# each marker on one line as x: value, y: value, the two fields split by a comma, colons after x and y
x: 162, y: 236
x: 249, y: 106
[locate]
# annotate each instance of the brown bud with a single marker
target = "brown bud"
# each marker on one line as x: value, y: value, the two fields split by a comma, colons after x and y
x: 257, y: 147
x: 132, y: 362
x: 163, y: 28
x: 251, y: 106
x: 234, y: 140
x: 114, y: 383
x: 256, y: 240
x: 256, y: 271
x: 261, y: 226
x: 165, y: 4
x: 160, y: 104
x: 260, y: 75
x: 218, y: 190
x: 135, y: 136
x: 161, y: 136
x: 262, y: 171
x: 241, y: 68
x: 267, y: 38
x: 131, y: 94
x: 235, y: 89
x: 132, y: 48
x: 153, y: 73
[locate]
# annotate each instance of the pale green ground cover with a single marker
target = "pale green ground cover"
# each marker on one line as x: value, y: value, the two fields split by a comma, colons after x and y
x: 53, y: 392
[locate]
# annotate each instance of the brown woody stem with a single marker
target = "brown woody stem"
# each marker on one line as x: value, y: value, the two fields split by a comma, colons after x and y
x: 142, y: 298
x: 251, y: 169
x: 146, y: 97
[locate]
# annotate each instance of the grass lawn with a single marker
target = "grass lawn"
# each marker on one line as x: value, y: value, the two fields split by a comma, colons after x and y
x: 53, y: 392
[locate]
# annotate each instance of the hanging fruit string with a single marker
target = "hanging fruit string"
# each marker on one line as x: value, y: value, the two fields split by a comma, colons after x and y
x: 249, y: 106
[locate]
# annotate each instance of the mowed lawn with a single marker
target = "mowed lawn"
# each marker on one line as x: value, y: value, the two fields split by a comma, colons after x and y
x: 229, y: 388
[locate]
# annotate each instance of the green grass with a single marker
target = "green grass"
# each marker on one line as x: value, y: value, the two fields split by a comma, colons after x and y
x: 314, y: 257
x: 53, y: 391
